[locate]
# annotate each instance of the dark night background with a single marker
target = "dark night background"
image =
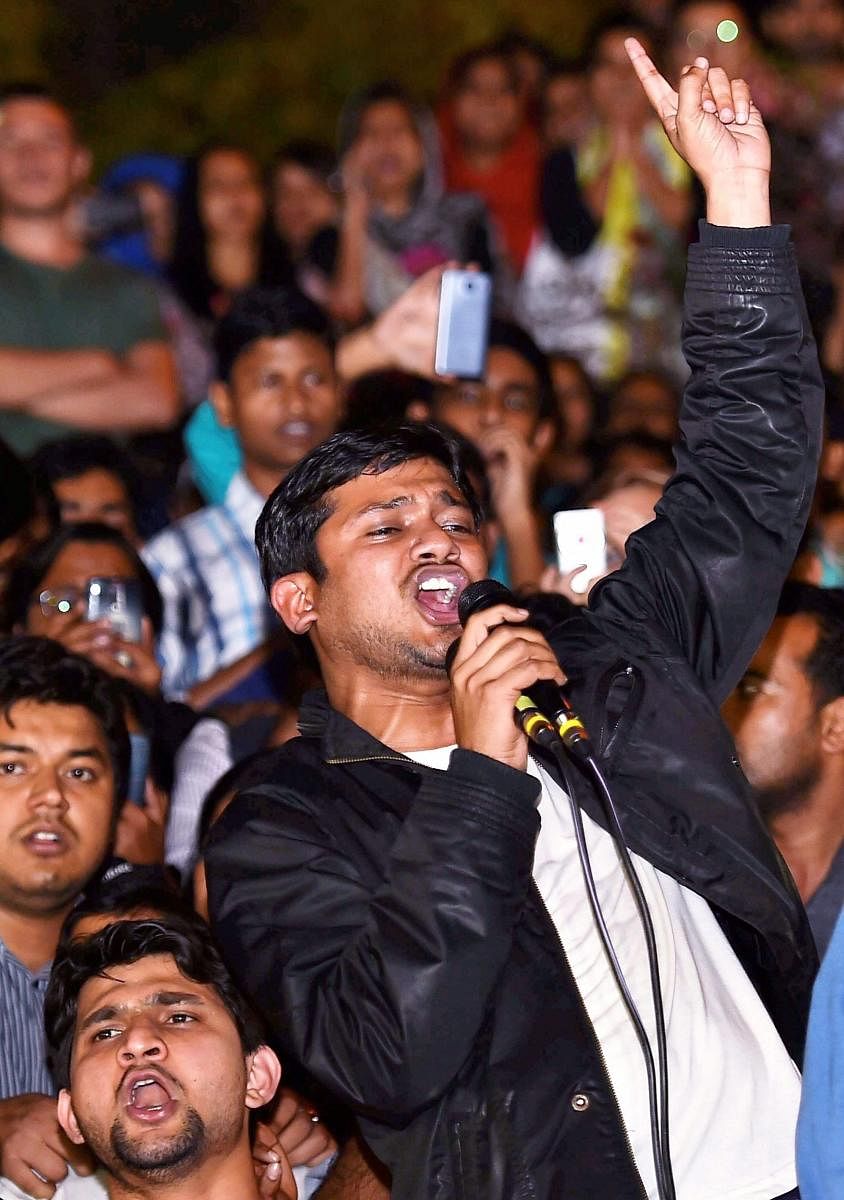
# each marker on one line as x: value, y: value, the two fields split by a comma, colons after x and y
x: 169, y: 74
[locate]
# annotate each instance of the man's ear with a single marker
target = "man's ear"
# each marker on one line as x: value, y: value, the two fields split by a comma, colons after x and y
x: 221, y: 401
x: 294, y: 598
x: 832, y: 726
x: 543, y: 437
x: 67, y: 1117
x: 263, y: 1072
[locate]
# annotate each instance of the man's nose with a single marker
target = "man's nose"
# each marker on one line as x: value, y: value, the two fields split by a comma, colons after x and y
x: 47, y: 792
x: 435, y: 543
x: 142, y: 1041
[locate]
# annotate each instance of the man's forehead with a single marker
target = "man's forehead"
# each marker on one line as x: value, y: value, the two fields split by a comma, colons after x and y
x: 19, y: 109
x: 133, y: 983
x: 65, y: 721
x: 419, y: 478
x: 789, y: 642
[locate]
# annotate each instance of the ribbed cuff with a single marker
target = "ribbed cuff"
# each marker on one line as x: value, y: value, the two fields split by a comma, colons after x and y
x: 732, y: 237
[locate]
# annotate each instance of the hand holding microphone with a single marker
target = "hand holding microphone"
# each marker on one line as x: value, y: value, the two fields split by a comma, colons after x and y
x: 504, y: 674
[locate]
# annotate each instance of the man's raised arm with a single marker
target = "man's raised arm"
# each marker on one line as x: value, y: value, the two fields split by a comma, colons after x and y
x: 709, y: 568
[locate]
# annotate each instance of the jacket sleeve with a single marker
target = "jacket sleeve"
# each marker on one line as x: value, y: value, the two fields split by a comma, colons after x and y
x: 378, y: 986
x: 710, y: 567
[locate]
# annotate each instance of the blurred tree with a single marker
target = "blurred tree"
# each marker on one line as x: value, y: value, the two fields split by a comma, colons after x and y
x: 291, y: 75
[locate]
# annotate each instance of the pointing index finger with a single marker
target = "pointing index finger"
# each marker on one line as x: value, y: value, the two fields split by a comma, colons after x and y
x: 657, y: 88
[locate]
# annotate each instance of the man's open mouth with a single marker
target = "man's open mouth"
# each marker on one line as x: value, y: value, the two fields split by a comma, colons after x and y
x: 438, y: 590
x: 146, y: 1097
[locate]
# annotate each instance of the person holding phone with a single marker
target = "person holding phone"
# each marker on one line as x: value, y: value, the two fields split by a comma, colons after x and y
x: 79, y: 572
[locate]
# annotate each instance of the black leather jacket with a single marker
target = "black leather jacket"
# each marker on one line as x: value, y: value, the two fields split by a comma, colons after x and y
x: 383, y: 914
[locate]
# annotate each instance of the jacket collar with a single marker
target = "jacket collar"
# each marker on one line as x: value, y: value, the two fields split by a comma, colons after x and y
x: 339, y: 736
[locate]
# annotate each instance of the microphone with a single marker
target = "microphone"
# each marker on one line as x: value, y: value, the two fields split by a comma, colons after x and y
x: 542, y: 711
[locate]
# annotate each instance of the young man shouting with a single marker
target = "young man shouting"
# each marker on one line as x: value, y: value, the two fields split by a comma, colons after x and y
x: 412, y: 930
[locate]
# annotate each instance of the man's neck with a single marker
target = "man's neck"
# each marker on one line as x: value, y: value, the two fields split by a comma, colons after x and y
x: 403, y: 714
x: 45, y: 240
x: 809, y: 836
x: 263, y: 479
x: 32, y: 938
x: 218, y: 1178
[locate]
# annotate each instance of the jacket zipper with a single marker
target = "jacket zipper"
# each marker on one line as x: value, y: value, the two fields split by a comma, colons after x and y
x: 371, y: 758
x: 595, y: 1042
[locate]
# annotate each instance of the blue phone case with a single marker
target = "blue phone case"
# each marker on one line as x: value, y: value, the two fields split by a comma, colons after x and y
x: 463, y: 325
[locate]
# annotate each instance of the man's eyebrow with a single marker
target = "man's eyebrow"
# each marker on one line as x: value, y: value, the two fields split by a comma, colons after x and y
x: 157, y: 1000
x: 14, y: 748
x: 445, y: 497
x: 87, y: 752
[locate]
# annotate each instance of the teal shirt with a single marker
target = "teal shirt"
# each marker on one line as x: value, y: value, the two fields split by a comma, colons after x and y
x: 95, y: 304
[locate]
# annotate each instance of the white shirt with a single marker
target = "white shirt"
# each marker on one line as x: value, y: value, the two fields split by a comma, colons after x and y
x: 733, y: 1090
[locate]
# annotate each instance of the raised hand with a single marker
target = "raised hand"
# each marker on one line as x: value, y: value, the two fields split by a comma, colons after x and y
x: 714, y: 125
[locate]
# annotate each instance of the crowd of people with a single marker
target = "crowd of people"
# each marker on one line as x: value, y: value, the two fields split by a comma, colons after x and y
x: 238, y: 509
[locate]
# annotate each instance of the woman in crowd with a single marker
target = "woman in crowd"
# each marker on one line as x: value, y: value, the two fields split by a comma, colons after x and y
x: 224, y: 239
x: 398, y: 220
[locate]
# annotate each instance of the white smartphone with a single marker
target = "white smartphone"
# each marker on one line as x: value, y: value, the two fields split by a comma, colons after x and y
x: 581, y: 540
x: 463, y: 324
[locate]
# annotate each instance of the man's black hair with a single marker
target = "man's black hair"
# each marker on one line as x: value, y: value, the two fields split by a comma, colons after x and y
x: 27, y: 576
x: 189, y: 943
x: 314, y: 157
x: 18, y: 504
x: 263, y: 312
x: 41, y: 670
x: 824, y: 666
x: 71, y: 457
x: 287, y: 528
x: 465, y: 63
x: 616, y: 21
x: 385, y: 91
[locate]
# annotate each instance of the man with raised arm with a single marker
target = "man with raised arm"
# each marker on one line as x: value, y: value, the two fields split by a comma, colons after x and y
x: 404, y: 897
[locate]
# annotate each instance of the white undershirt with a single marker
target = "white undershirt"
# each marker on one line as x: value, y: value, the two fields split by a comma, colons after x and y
x: 734, y: 1091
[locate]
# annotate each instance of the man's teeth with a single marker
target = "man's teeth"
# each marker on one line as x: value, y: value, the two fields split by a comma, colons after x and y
x: 42, y: 835
x: 440, y: 584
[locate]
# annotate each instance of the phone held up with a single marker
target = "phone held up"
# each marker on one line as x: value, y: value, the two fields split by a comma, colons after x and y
x: 119, y: 602
x: 581, y: 541
x: 463, y: 325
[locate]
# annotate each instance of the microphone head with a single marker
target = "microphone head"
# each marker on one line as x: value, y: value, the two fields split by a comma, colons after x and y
x: 482, y: 595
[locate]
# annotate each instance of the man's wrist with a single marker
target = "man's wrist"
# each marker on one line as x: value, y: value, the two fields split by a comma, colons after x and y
x: 739, y: 198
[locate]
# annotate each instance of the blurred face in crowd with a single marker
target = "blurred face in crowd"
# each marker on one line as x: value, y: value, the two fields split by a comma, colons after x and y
x: 56, y: 804
x: 507, y: 397
x: 283, y: 399
x: 643, y: 403
x: 41, y: 162
x: 230, y: 195
x: 695, y: 32
x: 97, y: 495
x: 575, y: 402
x: 159, y: 1084
x: 158, y: 210
x: 774, y: 717
x: 565, y: 105
x: 614, y: 90
x: 62, y: 593
x: 302, y: 204
x: 810, y: 29
x: 487, y: 107
x: 389, y: 150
